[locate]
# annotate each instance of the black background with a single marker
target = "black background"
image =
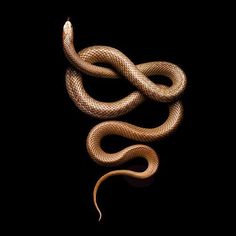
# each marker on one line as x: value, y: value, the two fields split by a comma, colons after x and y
x: 58, y: 175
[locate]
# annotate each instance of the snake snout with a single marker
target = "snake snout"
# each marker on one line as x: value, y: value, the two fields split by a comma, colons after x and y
x: 67, y: 28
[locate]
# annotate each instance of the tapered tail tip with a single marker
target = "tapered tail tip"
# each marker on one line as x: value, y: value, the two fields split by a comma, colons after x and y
x: 100, y: 213
x: 100, y: 217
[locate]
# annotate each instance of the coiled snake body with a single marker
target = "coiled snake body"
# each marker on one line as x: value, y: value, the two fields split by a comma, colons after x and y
x: 84, y: 62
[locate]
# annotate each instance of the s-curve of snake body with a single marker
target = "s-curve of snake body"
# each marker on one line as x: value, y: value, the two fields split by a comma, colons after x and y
x: 84, y: 62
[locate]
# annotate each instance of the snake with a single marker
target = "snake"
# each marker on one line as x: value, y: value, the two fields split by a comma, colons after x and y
x: 86, y: 62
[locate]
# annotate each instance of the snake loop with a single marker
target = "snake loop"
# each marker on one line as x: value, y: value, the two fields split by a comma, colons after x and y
x: 84, y: 62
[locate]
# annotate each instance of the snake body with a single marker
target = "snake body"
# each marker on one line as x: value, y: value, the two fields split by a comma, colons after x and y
x: 84, y: 62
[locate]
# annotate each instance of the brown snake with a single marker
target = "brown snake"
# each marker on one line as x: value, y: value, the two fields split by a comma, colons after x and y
x: 84, y: 62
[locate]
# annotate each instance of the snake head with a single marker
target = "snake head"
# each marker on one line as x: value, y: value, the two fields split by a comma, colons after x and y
x: 68, y: 31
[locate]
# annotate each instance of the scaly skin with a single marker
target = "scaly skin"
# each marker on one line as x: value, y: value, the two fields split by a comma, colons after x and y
x: 83, y: 62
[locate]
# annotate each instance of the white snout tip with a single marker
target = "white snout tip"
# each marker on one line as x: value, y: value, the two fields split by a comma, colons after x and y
x: 67, y: 26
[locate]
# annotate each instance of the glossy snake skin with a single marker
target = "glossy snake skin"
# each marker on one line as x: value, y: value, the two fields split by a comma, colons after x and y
x: 84, y: 63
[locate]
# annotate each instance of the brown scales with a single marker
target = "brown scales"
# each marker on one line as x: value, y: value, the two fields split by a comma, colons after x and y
x: 83, y: 62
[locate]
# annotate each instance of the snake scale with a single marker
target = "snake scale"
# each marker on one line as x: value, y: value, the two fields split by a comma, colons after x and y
x: 84, y: 62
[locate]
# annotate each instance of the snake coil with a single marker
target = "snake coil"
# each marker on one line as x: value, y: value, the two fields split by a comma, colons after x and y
x: 84, y: 62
